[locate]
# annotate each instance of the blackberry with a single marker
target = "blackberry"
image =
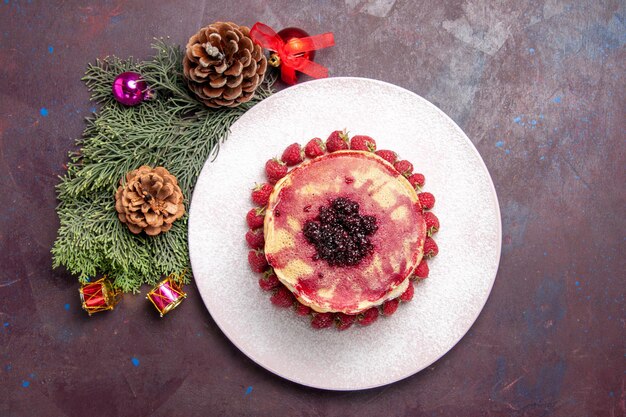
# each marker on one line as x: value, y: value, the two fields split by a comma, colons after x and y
x: 340, y: 233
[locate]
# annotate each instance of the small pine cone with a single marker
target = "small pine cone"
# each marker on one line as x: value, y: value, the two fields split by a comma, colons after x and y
x: 222, y: 65
x: 151, y: 200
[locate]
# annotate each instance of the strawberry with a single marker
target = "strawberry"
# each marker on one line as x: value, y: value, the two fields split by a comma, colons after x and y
x: 282, y: 297
x: 322, y: 320
x: 362, y: 143
x: 293, y: 155
x: 337, y: 141
x: 427, y: 200
x: 343, y: 321
x: 389, y: 156
x: 368, y: 317
x: 432, y: 223
x: 417, y: 181
x: 257, y: 260
x: 269, y: 281
x: 275, y: 169
x: 314, y: 148
x: 430, y: 248
x: 255, y: 217
x: 255, y: 238
x: 407, y: 295
x: 422, y: 269
x: 302, y: 310
x: 261, y: 194
x: 390, y: 306
x: 404, y: 167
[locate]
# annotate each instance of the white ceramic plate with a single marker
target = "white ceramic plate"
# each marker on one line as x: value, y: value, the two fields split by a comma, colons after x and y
x: 445, y: 305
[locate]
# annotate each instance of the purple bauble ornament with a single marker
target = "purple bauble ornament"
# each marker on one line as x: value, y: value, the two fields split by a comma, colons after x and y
x: 129, y: 89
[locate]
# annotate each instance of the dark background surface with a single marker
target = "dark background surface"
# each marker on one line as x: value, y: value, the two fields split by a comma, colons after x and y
x: 537, y: 85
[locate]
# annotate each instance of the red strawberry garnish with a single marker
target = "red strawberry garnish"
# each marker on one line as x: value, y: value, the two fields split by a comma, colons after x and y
x: 343, y: 321
x: 314, y: 148
x: 389, y: 156
x: 255, y: 217
x: 422, y: 269
x: 404, y: 167
x: 255, y: 238
x: 417, y: 181
x: 427, y: 200
x: 275, y: 169
x: 302, y: 310
x: 390, y: 306
x: 269, y: 281
x: 407, y: 295
x: 430, y: 248
x: 322, y: 320
x: 261, y: 194
x: 293, y: 155
x: 337, y: 141
x: 362, y: 143
x: 257, y: 260
x: 432, y: 223
x: 282, y: 297
x: 368, y: 317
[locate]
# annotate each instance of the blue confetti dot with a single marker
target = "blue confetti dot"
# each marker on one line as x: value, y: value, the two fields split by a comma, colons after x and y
x: 50, y: 49
x: 517, y: 119
x: 32, y: 376
x: 611, y: 394
x: 8, y: 367
x: 6, y: 1
x: 533, y: 122
x: 557, y: 99
x: 93, y: 109
x: 507, y: 151
x: 499, y: 144
x: 25, y: 384
x: 66, y: 306
x: 248, y: 390
x: 541, y: 159
x: 43, y: 112
x: 135, y: 361
x: 6, y: 324
x: 577, y: 283
x: 531, y: 50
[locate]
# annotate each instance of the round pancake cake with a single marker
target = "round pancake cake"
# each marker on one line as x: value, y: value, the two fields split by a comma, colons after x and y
x: 344, y: 231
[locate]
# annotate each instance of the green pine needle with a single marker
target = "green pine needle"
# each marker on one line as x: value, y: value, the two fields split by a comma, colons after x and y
x: 175, y: 131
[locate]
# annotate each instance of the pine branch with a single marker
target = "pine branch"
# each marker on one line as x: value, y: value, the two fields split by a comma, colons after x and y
x: 173, y: 130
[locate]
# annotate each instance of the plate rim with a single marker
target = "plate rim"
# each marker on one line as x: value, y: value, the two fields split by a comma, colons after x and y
x: 495, y: 201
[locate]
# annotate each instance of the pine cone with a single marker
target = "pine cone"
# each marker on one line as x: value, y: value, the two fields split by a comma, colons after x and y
x: 222, y: 65
x: 151, y: 200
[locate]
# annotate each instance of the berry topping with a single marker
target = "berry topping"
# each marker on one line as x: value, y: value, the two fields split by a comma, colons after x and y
x: 404, y: 167
x: 337, y: 141
x: 389, y: 156
x: 255, y: 238
x: 343, y: 321
x: 282, y: 297
x: 407, y: 295
x: 314, y: 148
x: 368, y: 317
x: 302, y: 310
x: 422, y: 270
x: 362, y: 143
x: 340, y: 233
x: 257, y: 260
x: 417, y: 181
x: 275, y: 169
x: 261, y: 194
x: 427, y: 200
x: 269, y: 281
x: 293, y: 155
x: 255, y: 217
x: 322, y: 320
x: 390, y: 306
x: 430, y: 248
x: 432, y: 223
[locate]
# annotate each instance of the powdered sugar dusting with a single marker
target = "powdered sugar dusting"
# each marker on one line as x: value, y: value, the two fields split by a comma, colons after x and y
x: 444, y: 306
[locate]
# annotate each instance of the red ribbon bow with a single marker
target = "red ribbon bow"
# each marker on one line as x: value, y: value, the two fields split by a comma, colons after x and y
x: 290, y: 53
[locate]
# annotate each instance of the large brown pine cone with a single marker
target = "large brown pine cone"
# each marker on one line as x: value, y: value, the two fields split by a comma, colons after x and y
x: 222, y: 65
x: 151, y: 200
